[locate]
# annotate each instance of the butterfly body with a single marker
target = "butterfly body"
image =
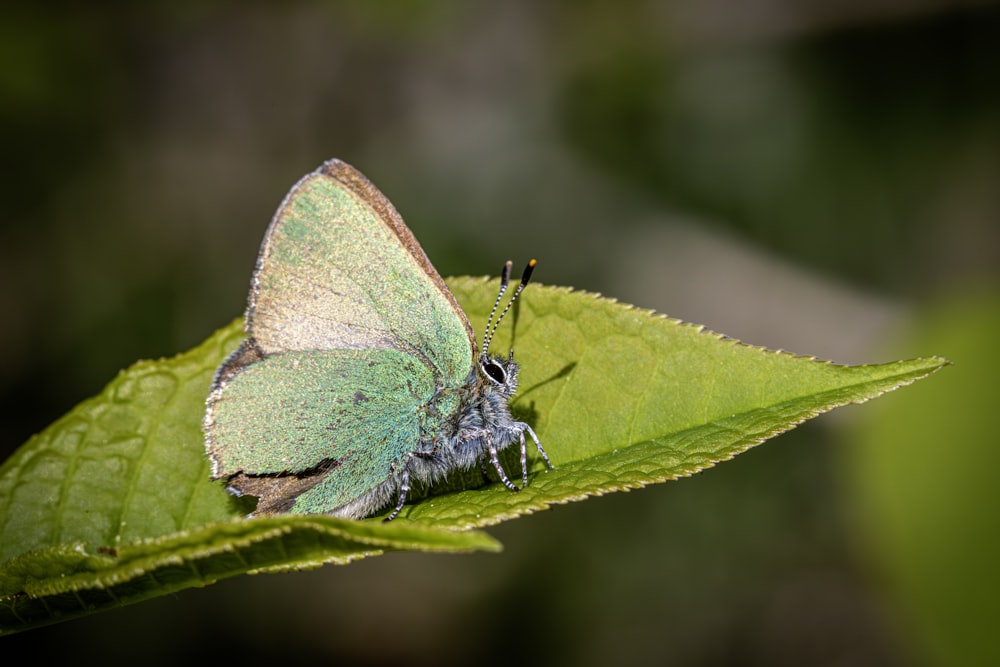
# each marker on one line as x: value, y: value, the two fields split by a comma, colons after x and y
x: 359, y: 375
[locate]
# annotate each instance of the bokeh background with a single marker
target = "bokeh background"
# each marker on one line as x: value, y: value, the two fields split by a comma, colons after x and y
x: 817, y: 176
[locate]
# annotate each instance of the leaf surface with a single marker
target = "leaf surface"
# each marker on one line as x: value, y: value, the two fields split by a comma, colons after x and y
x: 113, y: 503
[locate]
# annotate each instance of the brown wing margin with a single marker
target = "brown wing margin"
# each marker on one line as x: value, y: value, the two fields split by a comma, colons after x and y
x: 366, y: 191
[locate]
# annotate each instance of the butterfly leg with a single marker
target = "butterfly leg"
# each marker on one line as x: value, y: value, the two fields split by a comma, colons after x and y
x: 404, y: 488
x: 499, y: 468
x: 524, y: 460
x: 404, y: 484
x: 531, y: 432
x: 404, y: 480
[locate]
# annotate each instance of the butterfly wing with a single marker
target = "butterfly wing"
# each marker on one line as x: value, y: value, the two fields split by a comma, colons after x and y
x: 310, y: 414
x: 352, y: 333
x: 339, y: 268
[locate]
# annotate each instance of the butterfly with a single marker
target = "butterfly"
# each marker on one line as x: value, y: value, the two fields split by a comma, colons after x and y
x: 359, y: 375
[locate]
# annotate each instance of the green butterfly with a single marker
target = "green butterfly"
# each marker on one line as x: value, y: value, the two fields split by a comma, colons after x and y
x: 360, y: 374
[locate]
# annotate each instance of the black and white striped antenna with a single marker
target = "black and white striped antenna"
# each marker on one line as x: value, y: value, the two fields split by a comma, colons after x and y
x: 504, y: 281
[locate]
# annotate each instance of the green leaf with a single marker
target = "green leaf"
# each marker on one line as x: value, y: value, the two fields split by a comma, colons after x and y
x: 113, y: 503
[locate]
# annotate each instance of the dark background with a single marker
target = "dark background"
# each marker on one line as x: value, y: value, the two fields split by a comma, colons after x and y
x: 814, y: 176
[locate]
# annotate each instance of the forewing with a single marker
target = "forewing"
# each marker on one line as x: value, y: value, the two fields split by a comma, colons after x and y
x: 338, y: 269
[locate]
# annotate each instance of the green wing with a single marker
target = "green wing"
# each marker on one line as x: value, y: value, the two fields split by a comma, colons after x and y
x: 353, y: 335
x: 339, y: 269
x: 303, y: 411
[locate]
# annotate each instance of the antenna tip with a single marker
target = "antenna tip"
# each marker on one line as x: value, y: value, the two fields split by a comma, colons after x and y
x: 505, y: 271
x: 526, y: 276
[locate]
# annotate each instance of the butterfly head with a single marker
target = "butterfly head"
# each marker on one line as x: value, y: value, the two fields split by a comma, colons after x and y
x: 500, y: 372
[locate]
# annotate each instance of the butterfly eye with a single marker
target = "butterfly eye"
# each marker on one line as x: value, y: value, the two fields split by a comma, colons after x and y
x: 495, y: 371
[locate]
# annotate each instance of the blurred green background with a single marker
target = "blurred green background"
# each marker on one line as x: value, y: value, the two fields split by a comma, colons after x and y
x: 822, y: 177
